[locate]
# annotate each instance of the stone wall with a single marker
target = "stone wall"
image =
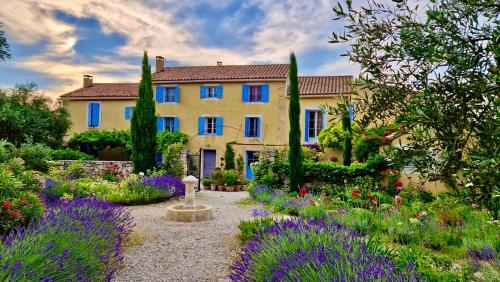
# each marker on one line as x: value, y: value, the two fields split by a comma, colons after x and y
x: 95, y: 168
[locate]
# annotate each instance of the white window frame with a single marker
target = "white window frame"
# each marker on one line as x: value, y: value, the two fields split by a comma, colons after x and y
x: 166, y: 91
x: 211, y: 92
x: 165, y: 118
x: 317, y: 129
x: 260, y: 127
x: 214, y: 126
x: 250, y: 93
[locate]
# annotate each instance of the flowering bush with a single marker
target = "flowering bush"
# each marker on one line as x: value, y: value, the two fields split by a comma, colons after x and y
x: 315, y: 250
x: 166, y: 183
x: 79, y: 240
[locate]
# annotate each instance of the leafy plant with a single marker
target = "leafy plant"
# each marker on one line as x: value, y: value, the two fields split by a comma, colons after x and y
x: 70, y: 154
x: 240, y: 165
x: 167, y: 138
x: 249, y: 228
x: 229, y: 157
x: 35, y: 156
x: 230, y: 178
x: 172, y: 163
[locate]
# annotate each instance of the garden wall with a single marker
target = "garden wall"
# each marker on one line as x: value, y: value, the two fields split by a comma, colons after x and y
x: 95, y: 168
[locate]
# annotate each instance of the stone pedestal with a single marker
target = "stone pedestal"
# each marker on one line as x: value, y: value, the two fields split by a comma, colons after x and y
x: 189, y: 211
x: 190, y: 182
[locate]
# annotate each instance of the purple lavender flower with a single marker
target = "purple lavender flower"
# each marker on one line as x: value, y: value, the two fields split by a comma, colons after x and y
x: 80, y: 240
x: 260, y: 212
x: 167, y: 183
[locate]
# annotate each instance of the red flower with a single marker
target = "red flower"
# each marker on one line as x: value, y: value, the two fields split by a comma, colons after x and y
x: 14, y: 214
x: 356, y: 192
x: 367, y: 137
x: 302, y: 192
x: 384, y: 139
x: 375, y: 135
x: 7, y: 205
x: 398, y: 184
x: 370, y: 197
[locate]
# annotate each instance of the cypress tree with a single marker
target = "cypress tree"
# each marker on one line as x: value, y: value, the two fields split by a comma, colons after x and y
x: 229, y: 157
x: 347, y: 150
x: 295, y: 158
x: 143, y: 124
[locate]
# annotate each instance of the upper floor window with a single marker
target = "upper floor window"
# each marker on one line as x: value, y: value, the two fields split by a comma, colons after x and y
x: 210, y: 125
x: 252, y: 127
x: 255, y: 93
x: 168, y: 94
x: 93, y: 114
x: 314, y: 124
x: 128, y: 112
x: 170, y: 124
x: 211, y: 92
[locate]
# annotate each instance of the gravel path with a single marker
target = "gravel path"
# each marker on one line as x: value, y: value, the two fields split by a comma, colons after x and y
x: 173, y: 251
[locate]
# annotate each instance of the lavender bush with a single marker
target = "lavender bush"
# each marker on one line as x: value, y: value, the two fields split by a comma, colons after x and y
x: 315, y: 250
x: 79, y: 240
x: 167, y: 183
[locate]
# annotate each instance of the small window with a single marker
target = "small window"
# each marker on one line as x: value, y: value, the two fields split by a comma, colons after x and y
x: 254, y: 127
x: 210, y: 126
x: 168, y: 124
x: 315, y: 124
x: 255, y: 93
x: 169, y: 95
x: 93, y: 114
x: 211, y: 92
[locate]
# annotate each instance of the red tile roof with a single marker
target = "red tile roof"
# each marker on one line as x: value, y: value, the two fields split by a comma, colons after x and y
x: 324, y: 85
x: 223, y: 73
x: 105, y: 91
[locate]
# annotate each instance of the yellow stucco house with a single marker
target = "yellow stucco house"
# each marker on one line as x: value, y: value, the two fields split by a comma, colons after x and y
x: 243, y: 104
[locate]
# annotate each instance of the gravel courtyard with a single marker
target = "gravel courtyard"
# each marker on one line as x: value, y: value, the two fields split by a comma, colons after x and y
x: 175, y: 251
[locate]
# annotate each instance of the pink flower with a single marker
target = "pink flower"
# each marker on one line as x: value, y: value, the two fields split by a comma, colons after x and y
x: 399, y: 201
x: 474, y: 206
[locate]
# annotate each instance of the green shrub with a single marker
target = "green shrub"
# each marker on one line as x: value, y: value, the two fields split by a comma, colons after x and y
x: 172, y: 159
x: 230, y: 178
x: 240, y: 165
x: 333, y: 136
x: 217, y: 176
x: 7, y: 150
x: 167, y: 138
x: 99, y: 140
x: 248, y: 228
x: 70, y: 154
x: 315, y: 212
x: 206, y: 181
x: 35, y: 156
x: 369, y: 143
x: 229, y: 162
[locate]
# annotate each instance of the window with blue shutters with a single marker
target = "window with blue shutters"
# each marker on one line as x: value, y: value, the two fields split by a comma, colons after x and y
x: 167, y: 94
x: 211, y: 92
x: 170, y: 124
x: 314, y: 123
x: 93, y: 114
x: 252, y: 127
x: 128, y: 112
x: 210, y: 126
x: 255, y: 93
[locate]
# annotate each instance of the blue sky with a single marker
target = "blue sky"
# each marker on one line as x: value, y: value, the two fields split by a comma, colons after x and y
x: 54, y: 43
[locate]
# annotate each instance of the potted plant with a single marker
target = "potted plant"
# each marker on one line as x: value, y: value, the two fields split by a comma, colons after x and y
x: 230, y: 179
x: 206, y: 182
x: 218, y: 179
x: 244, y: 183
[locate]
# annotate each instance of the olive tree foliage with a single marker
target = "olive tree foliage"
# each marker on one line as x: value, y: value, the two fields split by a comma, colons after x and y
x: 26, y: 114
x: 4, y: 45
x: 436, y: 72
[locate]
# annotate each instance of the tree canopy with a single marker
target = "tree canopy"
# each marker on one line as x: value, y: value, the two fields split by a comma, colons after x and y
x: 4, y: 45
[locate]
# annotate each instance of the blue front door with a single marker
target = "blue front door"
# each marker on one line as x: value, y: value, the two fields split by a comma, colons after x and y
x: 252, y: 157
x: 208, y: 162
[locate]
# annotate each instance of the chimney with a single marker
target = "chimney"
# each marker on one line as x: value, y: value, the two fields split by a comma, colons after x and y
x: 219, y: 63
x: 87, y: 80
x: 160, y: 63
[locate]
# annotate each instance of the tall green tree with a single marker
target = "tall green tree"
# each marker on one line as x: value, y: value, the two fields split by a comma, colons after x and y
x: 347, y: 147
x: 229, y: 162
x: 26, y: 114
x: 143, y: 124
x: 295, y: 157
x: 4, y: 45
x: 437, y: 74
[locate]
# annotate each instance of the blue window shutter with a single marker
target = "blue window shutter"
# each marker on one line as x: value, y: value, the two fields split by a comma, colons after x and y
x: 159, y: 124
x: 219, y: 92
x: 176, y: 124
x: 258, y: 127
x: 96, y: 111
x: 159, y: 157
x: 159, y: 94
x: 265, y: 93
x: 245, y: 94
x: 219, y: 125
x: 128, y: 113
x: 89, y: 114
x: 203, y: 92
x: 201, y: 125
x: 176, y: 94
x: 247, y: 127
x: 306, y: 132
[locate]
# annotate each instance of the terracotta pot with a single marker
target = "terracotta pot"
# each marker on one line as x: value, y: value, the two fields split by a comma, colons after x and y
x: 206, y: 187
x: 221, y: 188
x: 213, y: 187
x: 229, y: 188
x: 237, y: 188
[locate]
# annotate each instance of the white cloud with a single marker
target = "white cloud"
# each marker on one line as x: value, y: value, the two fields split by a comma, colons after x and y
x: 340, y: 67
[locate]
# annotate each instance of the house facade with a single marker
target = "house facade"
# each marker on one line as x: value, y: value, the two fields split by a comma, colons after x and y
x: 246, y: 105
